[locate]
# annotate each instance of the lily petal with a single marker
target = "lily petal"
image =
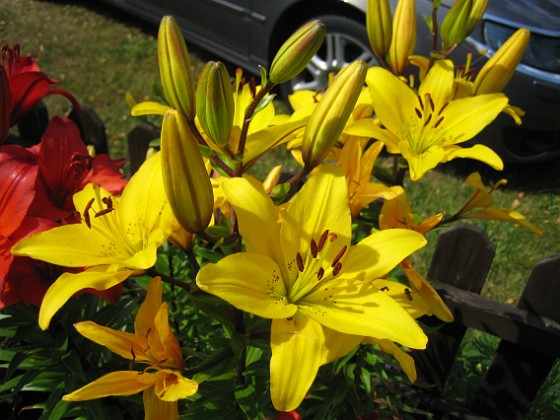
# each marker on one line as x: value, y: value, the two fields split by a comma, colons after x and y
x: 157, y: 409
x: 120, y: 383
x: 374, y: 256
x: 296, y: 345
x: 358, y: 308
x: 69, y: 284
x: 250, y: 282
x: 172, y: 386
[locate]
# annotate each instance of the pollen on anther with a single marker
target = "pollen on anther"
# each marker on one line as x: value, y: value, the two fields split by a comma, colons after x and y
x: 339, y: 255
x: 299, y: 262
x: 320, y: 273
x: 313, y: 248
x: 336, y: 269
x: 332, y: 237
x: 322, y: 240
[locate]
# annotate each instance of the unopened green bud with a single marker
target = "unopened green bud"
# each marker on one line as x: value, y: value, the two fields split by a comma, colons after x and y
x: 454, y: 26
x: 404, y: 35
x: 379, y: 24
x: 499, y: 69
x: 186, y: 181
x: 214, y: 102
x: 331, y: 114
x: 294, y: 55
x: 175, y: 67
x: 477, y: 11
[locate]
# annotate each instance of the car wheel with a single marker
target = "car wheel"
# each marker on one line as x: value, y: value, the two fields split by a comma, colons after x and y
x: 345, y: 41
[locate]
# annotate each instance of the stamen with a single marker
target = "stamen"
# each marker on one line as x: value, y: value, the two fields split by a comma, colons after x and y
x: 442, y: 108
x: 103, y: 212
x: 430, y: 101
x: 322, y: 240
x: 108, y: 202
x: 336, y: 269
x: 418, y: 113
x: 384, y: 289
x: 133, y: 357
x: 428, y: 120
x: 339, y: 256
x: 420, y: 102
x: 86, y: 212
x: 332, y: 237
x: 299, y: 262
x: 320, y: 273
x: 438, y: 122
x: 407, y: 293
x: 313, y: 248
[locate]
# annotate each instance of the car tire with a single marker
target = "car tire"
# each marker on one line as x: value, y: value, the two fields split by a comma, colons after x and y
x: 346, y: 40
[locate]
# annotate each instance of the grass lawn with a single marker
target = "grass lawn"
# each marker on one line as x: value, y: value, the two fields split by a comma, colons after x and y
x: 98, y: 53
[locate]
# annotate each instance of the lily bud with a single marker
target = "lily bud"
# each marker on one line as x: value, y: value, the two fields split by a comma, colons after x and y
x: 331, y: 113
x: 499, y: 69
x: 294, y: 55
x: 379, y: 24
x: 175, y: 67
x: 454, y: 26
x: 186, y: 181
x: 477, y: 11
x: 404, y: 35
x: 214, y: 102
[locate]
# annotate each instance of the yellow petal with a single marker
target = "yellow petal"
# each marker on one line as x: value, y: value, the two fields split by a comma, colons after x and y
x: 256, y: 215
x: 149, y: 108
x: 376, y: 255
x: 296, y: 345
x: 405, y: 360
x: 122, y: 343
x: 146, y: 314
x: 172, y: 386
x: 68, y: 284
x: 505, y: 215
x: 338, y: 344
x: 121, y: 383
x: 321, y: 204
x: 356, y: 307
x: 422, y: 163
x: 157, y: 409
x: 478, y: 152
x: 407, y: 297
x: 250, y: 282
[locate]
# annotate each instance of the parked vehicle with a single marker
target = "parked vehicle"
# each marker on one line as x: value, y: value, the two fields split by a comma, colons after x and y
x: 249, y: 32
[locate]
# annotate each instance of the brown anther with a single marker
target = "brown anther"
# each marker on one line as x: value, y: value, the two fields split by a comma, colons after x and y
x: 313, y: 248
x: 336, y: 269
x: 299, y: 262
x: 148, y: 332
x: 420, y: 102
x: 103, y: 212
x: 320, y: 273
x: 290, y: 318
x: 332, y: 237
x: 407, y: 293
x: 442, y: 108
x: 86, y: 212
x: 430, y: 101
x: 428, y: 120
x: 339, y: 256
x: 322, y: 240
x: 438, y: 122
x: 384, y: 289
x: 133, y: 357
x: 108, y: 202
x: 418, y: 113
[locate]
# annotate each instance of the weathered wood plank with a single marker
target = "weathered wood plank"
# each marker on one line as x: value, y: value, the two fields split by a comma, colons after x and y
x: 462, y: 258
x: 517, y: 373
x: 138, y: 141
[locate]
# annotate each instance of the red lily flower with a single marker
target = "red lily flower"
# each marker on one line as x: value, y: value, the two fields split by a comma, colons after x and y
x: 27, y: 83
x: 5, y: 104
x: 65, y: 167
x: 18, y: 172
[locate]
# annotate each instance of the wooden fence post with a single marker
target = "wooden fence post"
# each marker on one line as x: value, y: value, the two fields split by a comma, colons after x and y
x: 517, y: 372
x: 462, y: 259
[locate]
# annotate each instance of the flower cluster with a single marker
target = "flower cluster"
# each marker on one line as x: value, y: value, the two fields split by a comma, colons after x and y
x: 289, y: 253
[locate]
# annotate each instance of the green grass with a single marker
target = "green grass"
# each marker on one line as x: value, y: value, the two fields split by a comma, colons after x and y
x: 99, y: 53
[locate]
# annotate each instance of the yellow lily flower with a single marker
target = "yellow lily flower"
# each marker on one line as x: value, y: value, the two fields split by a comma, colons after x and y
x: 302, y: 273
x: 357, y: 166
x: 477, y: 207
x: 116, y: 237
x: 152, y: 344
x: 427, y: 127
x: 396, y: 213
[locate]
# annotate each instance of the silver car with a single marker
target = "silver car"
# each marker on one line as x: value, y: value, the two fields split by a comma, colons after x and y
x: 247, y: 33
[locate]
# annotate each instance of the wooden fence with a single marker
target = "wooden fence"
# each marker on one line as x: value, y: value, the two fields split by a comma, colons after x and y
x: 529, y: 333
